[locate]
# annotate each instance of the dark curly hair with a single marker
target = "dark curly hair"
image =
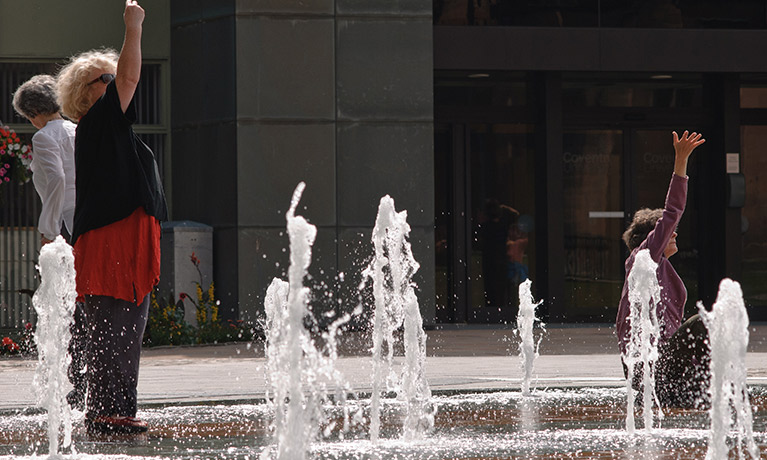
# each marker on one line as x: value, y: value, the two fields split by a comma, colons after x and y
x: 643, y: 223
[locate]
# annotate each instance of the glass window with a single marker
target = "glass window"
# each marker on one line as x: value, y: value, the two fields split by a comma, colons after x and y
x: 443, y: 147
x: 645, y: 90
x: 754, y: 215
x: 641, y: 13
x: 544, y: 13
x: 690, y: 14
x: 502, y: 202
x: 478, y: 88
x: 593, y: 220
x: 717, y: 14
x: 753, y: 96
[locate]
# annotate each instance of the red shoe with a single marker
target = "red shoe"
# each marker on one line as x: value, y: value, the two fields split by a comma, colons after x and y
x: 105, y: 424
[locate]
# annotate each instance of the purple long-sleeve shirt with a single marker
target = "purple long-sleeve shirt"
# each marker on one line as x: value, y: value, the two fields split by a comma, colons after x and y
x: 673, y: 294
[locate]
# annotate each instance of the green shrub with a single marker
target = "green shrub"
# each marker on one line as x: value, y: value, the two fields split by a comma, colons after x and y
x: 166, y: 324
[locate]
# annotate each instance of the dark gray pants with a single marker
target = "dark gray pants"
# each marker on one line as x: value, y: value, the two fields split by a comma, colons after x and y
x: 115, y: 331
x: 77, y: 346
x: 77, y: 350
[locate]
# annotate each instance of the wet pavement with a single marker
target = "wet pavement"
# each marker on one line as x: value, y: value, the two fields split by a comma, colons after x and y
x: 458, y: 359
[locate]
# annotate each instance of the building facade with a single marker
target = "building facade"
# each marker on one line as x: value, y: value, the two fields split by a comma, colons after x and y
x: 555, y: 118
x: 519, y: 136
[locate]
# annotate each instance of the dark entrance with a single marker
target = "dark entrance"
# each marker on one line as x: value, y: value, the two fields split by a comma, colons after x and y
x: 616, y: 156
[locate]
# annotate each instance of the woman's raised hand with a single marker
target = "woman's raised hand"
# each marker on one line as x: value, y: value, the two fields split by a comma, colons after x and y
x: 134, y: 14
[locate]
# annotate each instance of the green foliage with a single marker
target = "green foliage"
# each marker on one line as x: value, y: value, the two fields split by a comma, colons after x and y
x: 166, y: 325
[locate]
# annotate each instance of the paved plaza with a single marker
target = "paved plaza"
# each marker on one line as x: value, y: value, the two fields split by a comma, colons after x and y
x: 458, y: 359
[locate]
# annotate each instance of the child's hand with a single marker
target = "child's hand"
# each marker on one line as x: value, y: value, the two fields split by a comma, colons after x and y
x: 684, y: 147
x: 687, y: 143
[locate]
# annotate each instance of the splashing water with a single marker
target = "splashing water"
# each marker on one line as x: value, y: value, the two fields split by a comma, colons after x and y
x: 644, y: 294
x: 528, y: 350
x: 392, y: 270
x: 727, y: 324
x: 300, y: 375
x: 54, y: 303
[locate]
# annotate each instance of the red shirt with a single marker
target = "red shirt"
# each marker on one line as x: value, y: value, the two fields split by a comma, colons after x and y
x: 120, y: 260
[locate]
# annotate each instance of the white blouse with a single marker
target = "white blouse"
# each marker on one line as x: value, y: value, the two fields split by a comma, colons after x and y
x: 53, y: 173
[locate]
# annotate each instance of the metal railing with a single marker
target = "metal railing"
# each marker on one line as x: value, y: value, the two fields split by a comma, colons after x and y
x: 19, y: 249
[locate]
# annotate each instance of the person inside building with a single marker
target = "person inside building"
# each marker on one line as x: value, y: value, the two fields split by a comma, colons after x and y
x: 681, y: 372
x: 53, y: 175
x: 116, y: 235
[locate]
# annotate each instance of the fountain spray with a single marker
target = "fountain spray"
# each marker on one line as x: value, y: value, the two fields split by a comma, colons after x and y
x: 727, y: 324
x: 299, y: 374
x: 644, y: 295
x: 396, y: 305
x: 528, y: 350
x: 54, y: 303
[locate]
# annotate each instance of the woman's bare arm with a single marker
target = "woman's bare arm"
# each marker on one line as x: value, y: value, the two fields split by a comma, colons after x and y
x: 129, y: 64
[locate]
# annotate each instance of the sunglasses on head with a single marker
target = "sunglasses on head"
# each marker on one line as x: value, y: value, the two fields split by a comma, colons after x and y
x: 105, y: 78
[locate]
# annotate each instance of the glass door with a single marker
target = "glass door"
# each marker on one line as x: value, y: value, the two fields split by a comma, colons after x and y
x: 608, y: 175
x: 651, y: 170
x: 502, y: 207
x: 593, y: 208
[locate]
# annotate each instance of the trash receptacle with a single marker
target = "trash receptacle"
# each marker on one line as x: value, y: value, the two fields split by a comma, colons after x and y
x: 178, y: 273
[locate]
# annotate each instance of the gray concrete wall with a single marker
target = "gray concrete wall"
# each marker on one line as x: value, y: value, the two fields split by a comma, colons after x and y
x: 384, y: 129
x: 337, y: 94
x: 35, y: 29
x: 204, y: 131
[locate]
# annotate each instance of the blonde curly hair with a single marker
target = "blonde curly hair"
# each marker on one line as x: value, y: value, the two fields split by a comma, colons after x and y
x: 72, y: 81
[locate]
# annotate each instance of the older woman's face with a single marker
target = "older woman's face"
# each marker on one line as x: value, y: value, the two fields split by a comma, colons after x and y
x: 96, y: 87
x: 671, y: 247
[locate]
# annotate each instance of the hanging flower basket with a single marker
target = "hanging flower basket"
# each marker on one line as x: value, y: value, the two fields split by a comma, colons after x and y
x: 15, y: 157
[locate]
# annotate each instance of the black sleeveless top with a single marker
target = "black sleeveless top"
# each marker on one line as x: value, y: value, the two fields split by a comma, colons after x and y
x: 115, y: 171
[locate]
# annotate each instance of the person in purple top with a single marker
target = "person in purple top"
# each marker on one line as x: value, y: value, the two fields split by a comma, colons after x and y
x: 681, y: 372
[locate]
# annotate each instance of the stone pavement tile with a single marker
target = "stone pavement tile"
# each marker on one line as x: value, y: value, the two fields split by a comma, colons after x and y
x: 457, y: 360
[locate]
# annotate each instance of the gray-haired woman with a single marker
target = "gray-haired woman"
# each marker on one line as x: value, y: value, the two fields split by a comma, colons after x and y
x: 53, y: 174
x: 53, y: 160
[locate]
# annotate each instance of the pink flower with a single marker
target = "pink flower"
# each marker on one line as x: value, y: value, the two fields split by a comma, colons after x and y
x: 7, y: 179
x: 7, y: 166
